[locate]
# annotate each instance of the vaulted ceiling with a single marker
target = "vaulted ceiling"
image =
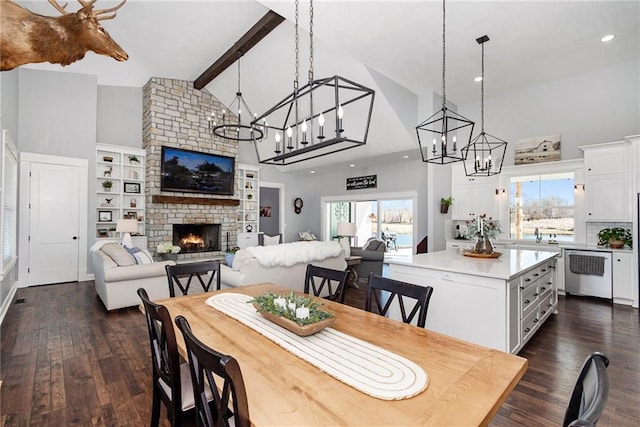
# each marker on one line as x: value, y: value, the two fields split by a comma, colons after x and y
x: 394, y: 47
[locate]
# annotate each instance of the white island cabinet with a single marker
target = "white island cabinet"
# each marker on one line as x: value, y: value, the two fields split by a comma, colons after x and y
x: 499, y: 302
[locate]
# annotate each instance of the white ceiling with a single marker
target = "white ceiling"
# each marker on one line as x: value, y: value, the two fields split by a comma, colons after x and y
x: 532, y: 42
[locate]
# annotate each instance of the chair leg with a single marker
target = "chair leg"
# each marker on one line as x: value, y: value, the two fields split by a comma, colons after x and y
x: 155, y: 407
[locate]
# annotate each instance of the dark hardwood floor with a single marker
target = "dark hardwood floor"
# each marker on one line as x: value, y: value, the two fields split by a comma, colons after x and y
x: 65, y: 361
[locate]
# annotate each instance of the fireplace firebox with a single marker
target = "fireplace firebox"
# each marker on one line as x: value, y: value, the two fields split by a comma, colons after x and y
x: 197, y: 237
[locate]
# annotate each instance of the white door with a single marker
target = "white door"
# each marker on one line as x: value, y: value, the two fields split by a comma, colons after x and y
x: 53, y: 223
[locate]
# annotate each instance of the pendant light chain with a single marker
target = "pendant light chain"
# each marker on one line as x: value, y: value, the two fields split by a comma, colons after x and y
x: 444, y: 50
x: 482, y: 94
x: 311, y: 40
x: 297, y: 51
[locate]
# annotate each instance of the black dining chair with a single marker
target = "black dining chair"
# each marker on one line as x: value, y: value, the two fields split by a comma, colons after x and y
x: 171, y: 379
x: 204, y: 363
x: 181, y: 276
x: 325, y: 282
x: 590, y: 393
x: 421, y: 295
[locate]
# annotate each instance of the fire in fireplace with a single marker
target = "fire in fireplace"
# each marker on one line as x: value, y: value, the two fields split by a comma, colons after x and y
x: 197, y: 237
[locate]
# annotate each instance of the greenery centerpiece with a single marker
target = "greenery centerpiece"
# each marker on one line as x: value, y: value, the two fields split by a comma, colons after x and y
x: 296, y: 313
x: 483, y: 230
x: 615, y: 237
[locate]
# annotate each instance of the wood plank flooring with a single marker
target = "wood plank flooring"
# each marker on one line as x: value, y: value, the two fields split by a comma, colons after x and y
x: 65, y: 361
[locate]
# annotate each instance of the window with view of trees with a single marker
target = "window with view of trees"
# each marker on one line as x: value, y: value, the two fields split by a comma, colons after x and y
x: 544, y: 203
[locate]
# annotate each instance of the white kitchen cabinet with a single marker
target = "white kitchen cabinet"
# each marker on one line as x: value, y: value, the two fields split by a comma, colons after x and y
x: 622, y: 272
x: 608, y: 182
x: 472, y: 195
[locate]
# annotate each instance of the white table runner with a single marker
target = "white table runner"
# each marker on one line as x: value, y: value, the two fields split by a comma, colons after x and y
x: 363, y: 366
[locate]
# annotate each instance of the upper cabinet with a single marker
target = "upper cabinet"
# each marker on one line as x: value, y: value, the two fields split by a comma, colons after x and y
x: 472, y: 195
x: 608, y: 182
x: 120, y: 178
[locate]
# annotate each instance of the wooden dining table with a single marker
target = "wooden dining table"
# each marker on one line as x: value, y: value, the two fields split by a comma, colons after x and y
x: 467, y: 382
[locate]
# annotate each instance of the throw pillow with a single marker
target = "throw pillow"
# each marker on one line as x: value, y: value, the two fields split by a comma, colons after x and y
x: 140, y: 256
x: 271, y: 240
x: 118, y: 254
x: 307, y: 236
x: 372, y: 244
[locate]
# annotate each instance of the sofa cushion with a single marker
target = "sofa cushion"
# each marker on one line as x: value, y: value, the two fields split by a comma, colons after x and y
x: 134, y: 272
x: 271, y: 240
x: 374, y: 244
x: 118, y: 254
x: 141, y: 256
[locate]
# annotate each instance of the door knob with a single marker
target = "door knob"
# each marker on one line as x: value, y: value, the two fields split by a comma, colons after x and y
x: 75, y: 237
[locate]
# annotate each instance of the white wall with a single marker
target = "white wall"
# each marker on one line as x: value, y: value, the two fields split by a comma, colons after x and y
x: 119, y: 116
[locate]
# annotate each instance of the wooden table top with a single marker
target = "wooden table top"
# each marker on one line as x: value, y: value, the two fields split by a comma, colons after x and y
x: 467, y: 382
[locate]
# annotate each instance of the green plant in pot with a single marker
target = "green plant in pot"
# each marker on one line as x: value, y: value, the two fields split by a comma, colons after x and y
x: 107, y: 185
x: 615, y: 237
x: 445, y: 202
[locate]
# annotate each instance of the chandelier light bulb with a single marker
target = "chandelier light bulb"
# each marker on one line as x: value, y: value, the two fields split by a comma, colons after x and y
x: 289, y: 132
x: 277, y: 137
x: 340, y: 112
x: 321, y: 119
x: 304, y: 126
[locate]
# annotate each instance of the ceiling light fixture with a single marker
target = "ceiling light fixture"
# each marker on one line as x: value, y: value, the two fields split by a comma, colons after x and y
x: 485, y: 153
x: 608, y: 38
x: 324, y: 116
x: 232, y: 127
x: 478, y: 79
x: 437, y: 135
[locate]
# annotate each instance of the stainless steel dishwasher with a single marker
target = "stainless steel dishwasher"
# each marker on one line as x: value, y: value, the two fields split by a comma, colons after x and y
x: 588, y: 273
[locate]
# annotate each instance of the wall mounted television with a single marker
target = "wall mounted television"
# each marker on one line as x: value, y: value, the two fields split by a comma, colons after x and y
x: 196, y: 172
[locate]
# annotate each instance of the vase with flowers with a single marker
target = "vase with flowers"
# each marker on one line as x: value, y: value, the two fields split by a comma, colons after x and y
x: 483, y: 229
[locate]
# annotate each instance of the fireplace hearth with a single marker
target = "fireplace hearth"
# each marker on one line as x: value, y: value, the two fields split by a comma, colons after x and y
x: 197, y: 237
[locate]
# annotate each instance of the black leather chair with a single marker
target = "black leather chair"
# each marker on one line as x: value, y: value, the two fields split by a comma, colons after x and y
x: 589, y: 396
x: 204, y: 361
x: 325, y: 282
x: 396, y: 288
x: 171, y: 379
x: 181, y: 275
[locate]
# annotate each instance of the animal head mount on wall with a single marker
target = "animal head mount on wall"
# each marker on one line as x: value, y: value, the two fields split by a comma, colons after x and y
x: 27, y: 38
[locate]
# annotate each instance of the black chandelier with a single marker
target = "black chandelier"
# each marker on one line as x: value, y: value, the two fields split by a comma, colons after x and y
x: 440, y: 135
x: 324, y: 116
x: 485, y: 153
x: 232, y: 126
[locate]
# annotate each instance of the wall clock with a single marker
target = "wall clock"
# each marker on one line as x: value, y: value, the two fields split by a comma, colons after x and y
x: 297, y: 205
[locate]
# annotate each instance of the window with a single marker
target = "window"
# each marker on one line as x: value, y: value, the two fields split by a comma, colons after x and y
x: 9, y: 207
x: 542, y: 204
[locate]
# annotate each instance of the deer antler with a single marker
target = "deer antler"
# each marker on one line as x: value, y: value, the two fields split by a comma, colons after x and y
x: 97, y: 13
x: 59, y: 8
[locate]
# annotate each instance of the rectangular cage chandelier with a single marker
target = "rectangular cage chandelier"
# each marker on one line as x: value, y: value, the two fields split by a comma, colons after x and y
x: 323, y: 117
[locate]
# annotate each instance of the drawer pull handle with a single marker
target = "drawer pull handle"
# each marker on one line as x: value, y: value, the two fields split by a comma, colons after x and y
x: 542, y: 289
x: 543, y: 270
x: 527, y: 280
x: 526, y: 330
x: 521, y: 287
x: 535, y: 320
x: 535, y: 295
x: 536, y: 275
x: 527, y: 301
x: 544, y: 312
x: 549, y: 283
x: 550, y: 305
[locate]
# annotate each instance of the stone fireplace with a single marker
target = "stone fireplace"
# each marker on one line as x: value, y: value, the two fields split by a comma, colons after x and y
x: 175, y: 115
x: 196, y: 237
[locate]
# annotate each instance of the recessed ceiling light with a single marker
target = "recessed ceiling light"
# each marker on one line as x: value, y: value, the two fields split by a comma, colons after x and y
x: 478, y: 79
x: 352, y: 165
x: 312, y: 171
x: 608, y: 38
x: 406, y: 156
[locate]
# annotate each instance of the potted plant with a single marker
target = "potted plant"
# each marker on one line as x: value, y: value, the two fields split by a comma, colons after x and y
x: 107, y: 185
x: 445, y: 202
x: 229, y: 255
x: 615, y: 237
x: 168, y: 251
x: 133, y: 159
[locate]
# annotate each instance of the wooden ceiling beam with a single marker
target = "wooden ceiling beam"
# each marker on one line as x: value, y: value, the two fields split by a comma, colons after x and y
x: 264, y: 26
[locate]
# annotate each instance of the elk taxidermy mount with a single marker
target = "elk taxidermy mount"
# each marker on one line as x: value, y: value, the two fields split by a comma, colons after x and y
x: 27, y: 38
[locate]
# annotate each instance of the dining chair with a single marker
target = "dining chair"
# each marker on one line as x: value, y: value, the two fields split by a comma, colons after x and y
x: 317, y: 278
x: 171, y: 379
x: 205, y: 362
x: 590, y: 393
x: 396, y: 288
x: 181, y: 275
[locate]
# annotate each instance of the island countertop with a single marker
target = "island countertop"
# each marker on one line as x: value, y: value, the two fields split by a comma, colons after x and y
x: 511, y: 263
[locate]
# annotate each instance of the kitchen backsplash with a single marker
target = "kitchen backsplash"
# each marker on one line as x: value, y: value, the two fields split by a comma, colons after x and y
x: 594, y: 227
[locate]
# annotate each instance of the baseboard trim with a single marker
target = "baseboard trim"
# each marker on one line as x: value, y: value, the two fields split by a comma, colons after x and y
x: 8, y: 300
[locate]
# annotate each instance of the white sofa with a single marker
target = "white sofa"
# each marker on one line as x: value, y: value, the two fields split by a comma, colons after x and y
x: 283, y: 265
x: 117, y: 285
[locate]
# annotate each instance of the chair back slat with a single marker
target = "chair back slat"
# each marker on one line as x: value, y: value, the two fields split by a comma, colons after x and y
x: 590, y: 393
x: 325, y: 282
x: 204, y: 363
x: 421, y: 295
x: 181, y: 276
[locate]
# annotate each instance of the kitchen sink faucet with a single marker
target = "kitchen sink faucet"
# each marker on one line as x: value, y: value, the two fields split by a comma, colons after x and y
x: 538, y: 235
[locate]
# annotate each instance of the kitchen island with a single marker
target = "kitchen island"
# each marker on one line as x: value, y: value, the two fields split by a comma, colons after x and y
x: 497, y: 302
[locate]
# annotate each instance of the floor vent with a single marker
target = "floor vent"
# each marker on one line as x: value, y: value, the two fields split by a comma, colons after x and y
x: 20, y: 301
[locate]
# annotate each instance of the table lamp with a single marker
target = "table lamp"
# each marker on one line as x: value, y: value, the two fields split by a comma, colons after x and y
x: 348, y: 230
x: 127, y: 226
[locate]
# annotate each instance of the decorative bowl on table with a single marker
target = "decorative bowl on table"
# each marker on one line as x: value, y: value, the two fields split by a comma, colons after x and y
x: 300, y: 315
